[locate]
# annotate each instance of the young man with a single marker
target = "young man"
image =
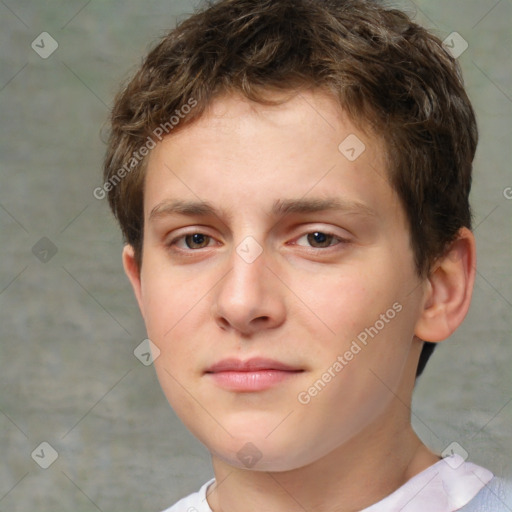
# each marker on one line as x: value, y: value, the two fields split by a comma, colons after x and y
x: 292, y: 180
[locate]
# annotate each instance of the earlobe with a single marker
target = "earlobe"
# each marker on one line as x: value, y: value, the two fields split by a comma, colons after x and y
x: 132, y: 270
x: 449, y: 290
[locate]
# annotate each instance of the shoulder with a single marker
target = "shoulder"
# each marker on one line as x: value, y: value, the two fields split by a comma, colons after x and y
x: 195, y: 502
x: 495, y: 496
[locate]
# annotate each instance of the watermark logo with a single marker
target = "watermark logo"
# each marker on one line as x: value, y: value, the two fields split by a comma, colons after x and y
x: 249, y: 455
x: 45, y: 455
x: 44, y: 249
x: 249, y: 249
x: 450, y: 452
x: 455, y: 44
x: 352, y: 147
x: 146, y: 352
x: 44, y: 45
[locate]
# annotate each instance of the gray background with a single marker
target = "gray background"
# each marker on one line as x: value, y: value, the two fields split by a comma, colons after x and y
x: 69, y: 325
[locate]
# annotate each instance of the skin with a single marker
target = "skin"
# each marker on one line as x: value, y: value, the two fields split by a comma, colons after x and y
x: 301, y: 302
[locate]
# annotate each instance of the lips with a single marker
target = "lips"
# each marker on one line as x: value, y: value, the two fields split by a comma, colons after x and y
x: 255, y: 374
x: 251, y: 365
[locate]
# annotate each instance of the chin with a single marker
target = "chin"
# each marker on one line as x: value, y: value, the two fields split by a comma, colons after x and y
x: 256, y: 450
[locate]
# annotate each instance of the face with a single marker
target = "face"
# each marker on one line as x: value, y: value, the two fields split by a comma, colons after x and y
x: 284, y: 299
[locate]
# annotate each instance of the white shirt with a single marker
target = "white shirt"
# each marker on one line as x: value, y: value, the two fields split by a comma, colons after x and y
x: 445, y: 486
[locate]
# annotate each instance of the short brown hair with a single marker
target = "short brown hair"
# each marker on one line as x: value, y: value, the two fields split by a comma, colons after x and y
x: 387, y: 72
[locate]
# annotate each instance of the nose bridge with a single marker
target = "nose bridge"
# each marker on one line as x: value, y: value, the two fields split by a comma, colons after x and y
x: 246, y: 292
x: 247, y: 256
x: 247, y: 263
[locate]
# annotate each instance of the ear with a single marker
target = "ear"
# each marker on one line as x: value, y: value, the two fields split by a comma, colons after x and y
x: 449, y: 290
x: 132, y: 270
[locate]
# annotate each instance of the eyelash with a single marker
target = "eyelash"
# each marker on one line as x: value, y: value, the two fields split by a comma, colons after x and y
x: 340, y: 240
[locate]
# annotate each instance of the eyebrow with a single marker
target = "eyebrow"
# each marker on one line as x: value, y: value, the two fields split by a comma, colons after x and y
x: 280, y: 208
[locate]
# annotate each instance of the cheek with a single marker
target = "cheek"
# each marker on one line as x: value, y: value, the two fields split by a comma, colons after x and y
x: 168, y: 299
x: 362, y: 316
x: 177, y: 306
x: 341, y: 304
x: 172, y: 306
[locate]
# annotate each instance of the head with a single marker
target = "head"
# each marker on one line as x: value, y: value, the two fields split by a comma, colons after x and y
x: 218, y: 109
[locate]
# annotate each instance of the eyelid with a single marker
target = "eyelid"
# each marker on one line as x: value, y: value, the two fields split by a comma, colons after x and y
x: 340, y: 239
x: 328, y: 232
x: 178, y: 238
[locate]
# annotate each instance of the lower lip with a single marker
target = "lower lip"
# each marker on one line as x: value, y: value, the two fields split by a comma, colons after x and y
x: 251, y: 381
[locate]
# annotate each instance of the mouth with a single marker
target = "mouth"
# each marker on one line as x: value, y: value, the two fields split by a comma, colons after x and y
x: 255, y: 374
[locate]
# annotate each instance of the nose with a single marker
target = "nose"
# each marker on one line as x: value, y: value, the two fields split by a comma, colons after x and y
x: 250, y: 297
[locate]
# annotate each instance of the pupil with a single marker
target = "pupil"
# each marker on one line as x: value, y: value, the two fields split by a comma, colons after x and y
x: 319, y: 238
x: 197, y: 238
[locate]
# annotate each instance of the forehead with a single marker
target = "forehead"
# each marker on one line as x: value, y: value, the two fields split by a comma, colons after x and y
x: 240, y: 154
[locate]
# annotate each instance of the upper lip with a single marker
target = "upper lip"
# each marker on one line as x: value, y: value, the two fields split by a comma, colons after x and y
x: 254, y: 364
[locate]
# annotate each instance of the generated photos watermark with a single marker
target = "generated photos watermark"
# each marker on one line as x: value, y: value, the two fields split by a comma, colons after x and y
x: 137, y: 156
x: 361, y: 341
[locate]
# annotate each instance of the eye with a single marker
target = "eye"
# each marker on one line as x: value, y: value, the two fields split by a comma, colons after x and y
x: 192, y: 241
x: 321, y: 239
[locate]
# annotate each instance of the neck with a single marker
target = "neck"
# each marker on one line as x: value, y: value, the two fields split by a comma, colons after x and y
x: 352, y: 477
